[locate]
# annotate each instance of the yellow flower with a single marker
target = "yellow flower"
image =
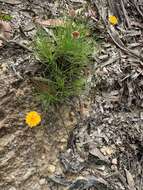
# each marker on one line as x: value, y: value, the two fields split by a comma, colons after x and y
x: 33, y: 119
x: 113, y: 20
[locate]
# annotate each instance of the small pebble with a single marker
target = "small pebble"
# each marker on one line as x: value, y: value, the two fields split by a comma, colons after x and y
x: 63, y: 140
x: 114, y: 161
x: 72, y: 113
x: 62, y: 147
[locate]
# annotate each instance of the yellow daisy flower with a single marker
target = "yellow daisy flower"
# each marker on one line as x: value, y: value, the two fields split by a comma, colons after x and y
x: 113, y: 20
x: 33, y: 118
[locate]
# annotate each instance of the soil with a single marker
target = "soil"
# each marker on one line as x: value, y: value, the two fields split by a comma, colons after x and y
x: 94, y: 141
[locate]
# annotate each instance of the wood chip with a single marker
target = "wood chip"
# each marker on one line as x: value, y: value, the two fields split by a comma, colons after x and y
x: 50, y: 22
x: 107, y: 150
x: 141, y: 115
x: 1, y: 43
x: 97, y: 153
x: 130, y: 180
x: 78, y: 1
x: 5, y: 31
x: 11, y: 2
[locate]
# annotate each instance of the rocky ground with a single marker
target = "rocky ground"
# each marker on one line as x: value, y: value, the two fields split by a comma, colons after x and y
x: 96, y: 140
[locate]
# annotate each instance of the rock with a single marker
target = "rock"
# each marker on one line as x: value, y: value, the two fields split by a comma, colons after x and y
x: 12, y: 188
x: 51, y: 168
x: 101, y: 168
x: 42, y: 181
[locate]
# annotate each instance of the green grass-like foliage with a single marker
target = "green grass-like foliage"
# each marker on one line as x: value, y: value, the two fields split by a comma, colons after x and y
x: 64, y: 59
x: 5, y: 17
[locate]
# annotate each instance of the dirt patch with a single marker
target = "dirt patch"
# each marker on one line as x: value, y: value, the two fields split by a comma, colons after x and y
x: 104, y: 150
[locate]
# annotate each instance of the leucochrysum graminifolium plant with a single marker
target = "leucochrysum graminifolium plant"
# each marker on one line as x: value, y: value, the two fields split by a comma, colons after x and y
x: 64, y: 52
x: 33, y: 119
x: 113, y: 20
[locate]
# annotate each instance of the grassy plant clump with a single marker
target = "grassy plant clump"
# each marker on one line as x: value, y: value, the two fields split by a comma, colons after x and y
x: 5, y: 17
x: 64, y: 52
